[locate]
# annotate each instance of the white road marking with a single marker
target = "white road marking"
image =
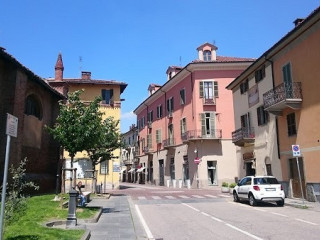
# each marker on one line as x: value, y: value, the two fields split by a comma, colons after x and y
x: 144, y: 224
x: 211, y: 196
x: 206, y: 214
x: 258, y: 209
x: 279, y: 214
x: 142, y: 198
x: 170, y: 197
x: 183, y: 196
x: 197, y: 196
x: 244, y: 232
x: 301, y: 220
x: 223, y: 195
x: 156, y: 197
x: 190, y: 207
x: 227, y: 224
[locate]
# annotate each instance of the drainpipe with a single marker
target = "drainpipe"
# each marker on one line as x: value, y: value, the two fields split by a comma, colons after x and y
x: 273, y: 85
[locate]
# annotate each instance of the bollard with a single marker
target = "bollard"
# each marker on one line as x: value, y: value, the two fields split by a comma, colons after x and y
x: 72, y: 218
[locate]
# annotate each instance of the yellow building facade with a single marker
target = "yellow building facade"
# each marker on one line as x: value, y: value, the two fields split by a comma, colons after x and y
x: 106, y: 173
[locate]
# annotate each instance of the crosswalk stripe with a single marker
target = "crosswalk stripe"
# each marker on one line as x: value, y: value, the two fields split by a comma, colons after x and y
x: 156, y: 197
x: 170, y: 197
x: 211, y: 196
x: 197, y: 196
x: 183, y: 196
x: 226, y: 196
x: 142, y: 198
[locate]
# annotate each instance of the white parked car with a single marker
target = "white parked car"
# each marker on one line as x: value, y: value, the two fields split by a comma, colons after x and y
x: 259, y: 189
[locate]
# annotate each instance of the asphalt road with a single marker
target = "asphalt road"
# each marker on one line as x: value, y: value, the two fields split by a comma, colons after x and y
x: 208, y: 214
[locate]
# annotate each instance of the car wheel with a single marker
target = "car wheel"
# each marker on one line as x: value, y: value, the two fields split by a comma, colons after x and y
x: 280, y: 203
x: 252, y: 200
x: 235, y: 196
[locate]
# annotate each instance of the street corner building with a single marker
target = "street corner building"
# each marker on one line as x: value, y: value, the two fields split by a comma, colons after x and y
x: 184, y: 126
x: 29, y: 98
x: 106, y: 174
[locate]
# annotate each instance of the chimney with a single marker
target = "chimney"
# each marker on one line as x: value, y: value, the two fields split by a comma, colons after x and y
x: 298, y: 21
x: 86, y: 75
x: 59, y: 68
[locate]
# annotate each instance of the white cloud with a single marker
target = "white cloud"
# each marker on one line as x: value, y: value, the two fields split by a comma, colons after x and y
x: 128, y: 116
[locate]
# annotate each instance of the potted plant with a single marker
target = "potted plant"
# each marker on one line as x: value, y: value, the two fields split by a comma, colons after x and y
x: 231, y: 187
x: 225, y: 187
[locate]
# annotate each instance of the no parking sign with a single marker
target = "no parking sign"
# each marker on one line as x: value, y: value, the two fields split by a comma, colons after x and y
x: 296, y: 151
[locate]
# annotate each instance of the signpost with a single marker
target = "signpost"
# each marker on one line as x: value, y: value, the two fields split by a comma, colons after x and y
x: 11, y: 131
x: 297, y: 153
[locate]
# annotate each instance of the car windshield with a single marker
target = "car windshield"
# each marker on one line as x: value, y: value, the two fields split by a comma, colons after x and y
x: 263, y: 180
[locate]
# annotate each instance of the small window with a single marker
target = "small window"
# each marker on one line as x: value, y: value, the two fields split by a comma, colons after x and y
x: 260, y: 74
x: 182, y: 97
x: 244, y: 86
x: 159, y: 111
x: 104, y: 167
x: 107, y: 95
x: 33, y: 107
x: 158, y: 136
x: 262, y: 115
x: 207, y: 55
x: 170, y: 105
x: 291, y: 124
x: 150, y: 116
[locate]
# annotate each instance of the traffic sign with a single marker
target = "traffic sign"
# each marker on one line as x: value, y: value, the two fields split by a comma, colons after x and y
x: 197, y: 160
x: 296, y: 151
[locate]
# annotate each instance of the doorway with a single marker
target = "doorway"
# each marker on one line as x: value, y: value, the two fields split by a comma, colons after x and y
x: 212, y: 172
x: 161, y: 172
x: 250, y: 168
x: 294, y: 177
x: 185, y: 169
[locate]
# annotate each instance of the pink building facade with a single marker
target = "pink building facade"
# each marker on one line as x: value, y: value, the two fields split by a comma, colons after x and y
x: 185, y: 125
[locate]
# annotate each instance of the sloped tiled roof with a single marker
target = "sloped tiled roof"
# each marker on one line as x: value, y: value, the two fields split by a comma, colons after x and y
x: 223, y: 59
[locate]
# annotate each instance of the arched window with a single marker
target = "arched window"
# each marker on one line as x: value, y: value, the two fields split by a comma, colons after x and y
x: 207, y: 55
x: 33, y: 106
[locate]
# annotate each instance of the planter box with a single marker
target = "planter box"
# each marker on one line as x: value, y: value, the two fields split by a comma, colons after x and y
x: 225, y: 189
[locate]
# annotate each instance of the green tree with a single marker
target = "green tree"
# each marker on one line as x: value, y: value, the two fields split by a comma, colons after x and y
x: 108, y: 139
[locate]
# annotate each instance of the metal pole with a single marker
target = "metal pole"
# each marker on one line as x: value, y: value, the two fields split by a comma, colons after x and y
x: 4, y: 185
x: 297, y: 159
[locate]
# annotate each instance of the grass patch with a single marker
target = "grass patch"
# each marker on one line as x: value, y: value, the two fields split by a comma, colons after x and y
x: 41, y: 209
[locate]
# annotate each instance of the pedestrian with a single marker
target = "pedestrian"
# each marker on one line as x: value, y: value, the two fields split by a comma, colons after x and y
x: 81, y: 196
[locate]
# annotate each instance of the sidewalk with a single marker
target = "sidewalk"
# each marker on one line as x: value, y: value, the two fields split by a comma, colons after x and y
x: 118, y: 220
x: 299, y: 203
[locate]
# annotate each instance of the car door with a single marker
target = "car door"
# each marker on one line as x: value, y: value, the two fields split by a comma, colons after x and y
x: 242, y: 187
x: 245, y: 187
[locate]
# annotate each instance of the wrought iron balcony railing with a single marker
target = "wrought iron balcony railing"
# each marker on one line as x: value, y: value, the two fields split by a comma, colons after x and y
x: 243, y: 136
x: 282, y: 93
x: 199, y: 134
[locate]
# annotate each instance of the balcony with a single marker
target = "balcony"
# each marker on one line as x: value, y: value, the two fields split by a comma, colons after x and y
x: 150, y: 124
x: 167, y: 143
x: 209, y: 101
x: 194, y: 135
x: 148, y: 150
x: 283, y: 96
x: 243, y: 137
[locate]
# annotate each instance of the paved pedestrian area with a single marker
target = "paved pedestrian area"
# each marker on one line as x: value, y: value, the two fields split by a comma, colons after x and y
x: 118, y: 220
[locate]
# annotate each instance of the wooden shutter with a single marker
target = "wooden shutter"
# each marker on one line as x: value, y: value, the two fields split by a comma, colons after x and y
x: 215, y: 88
x: 212, y: 123
x: 201, y: 89
x: 203, y: 123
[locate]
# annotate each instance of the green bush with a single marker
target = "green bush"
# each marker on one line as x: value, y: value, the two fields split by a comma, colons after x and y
x: 232, y: 185
x: 225, y: 184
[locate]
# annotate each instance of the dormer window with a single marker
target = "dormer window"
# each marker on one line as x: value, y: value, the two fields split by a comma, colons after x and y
x: 207, y: 56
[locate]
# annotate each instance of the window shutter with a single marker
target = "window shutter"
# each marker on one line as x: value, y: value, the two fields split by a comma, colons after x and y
x: 216, y: 91
x: 181, y: 127
x: 172, y: 104
x: 212, y: 123
x: 201, y: 89
x: 203, y: 123
x: 168, y: 107
x: 160, y: 111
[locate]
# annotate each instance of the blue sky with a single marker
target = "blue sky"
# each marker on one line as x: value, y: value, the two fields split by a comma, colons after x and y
x: 135, y: 41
